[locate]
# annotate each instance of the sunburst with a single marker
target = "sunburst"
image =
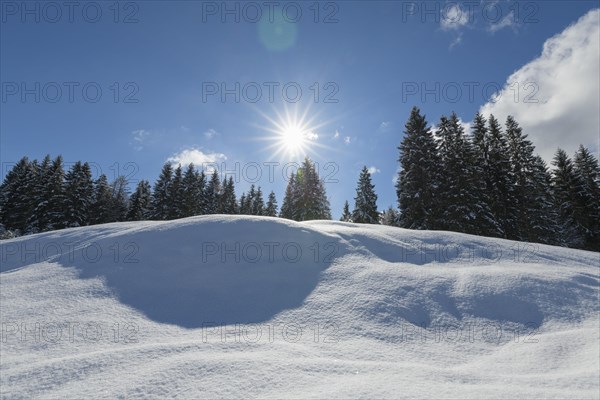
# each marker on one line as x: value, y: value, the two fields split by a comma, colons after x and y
x: 293, y: 134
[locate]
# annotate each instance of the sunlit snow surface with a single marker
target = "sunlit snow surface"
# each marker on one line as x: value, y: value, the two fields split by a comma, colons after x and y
x: 251, y: 307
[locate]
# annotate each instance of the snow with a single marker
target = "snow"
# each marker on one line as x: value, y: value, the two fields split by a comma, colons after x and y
x: 363, y: 312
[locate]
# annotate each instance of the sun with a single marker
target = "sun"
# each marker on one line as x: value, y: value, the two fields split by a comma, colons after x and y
x: 293, y: 138
x: 292, y: 133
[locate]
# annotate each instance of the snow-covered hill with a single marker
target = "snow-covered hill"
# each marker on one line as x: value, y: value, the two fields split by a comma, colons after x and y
x: 243, y: 307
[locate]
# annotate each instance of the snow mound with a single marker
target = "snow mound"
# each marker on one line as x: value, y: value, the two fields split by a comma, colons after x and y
x: 240, y: 306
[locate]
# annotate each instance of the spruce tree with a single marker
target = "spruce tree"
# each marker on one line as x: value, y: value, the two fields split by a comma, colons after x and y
x: 228, y: 199
x: 418, y: 176
x: 587, y: 186
x: 48, y: 213
x: 101, y: 212
x: 520, y: 152
x: 243, y: 205
x: 271, y: 209
x: 17, y: 195
x: 309, y: 199
x: 566, y: 199
x: 200, y: 188
x: 176, y: 195
x: 119, y: 200
x: 365, y: 202
x: 190, y: 193
x: 389, y: 217
x: 213, y: 191
x: 486, y: 223
x: 250, y: 200
x: 287, y: 207
x: 56, y: 195
x: 501, y: 190
x: 160, y: 194
x: 258, y: 204
x: 79, y: 194
x: 140, y: 202
x: 481, y: 139
x: 543, y: 220
x: 38, y: 177
x: 459, y: 206
x: 346, y: 215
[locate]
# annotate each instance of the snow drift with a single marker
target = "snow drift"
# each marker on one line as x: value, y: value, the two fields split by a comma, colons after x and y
x: 232, y: 306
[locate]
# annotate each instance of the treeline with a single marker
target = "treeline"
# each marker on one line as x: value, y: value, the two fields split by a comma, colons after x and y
x: 488, y: 183
x: 41, y: 196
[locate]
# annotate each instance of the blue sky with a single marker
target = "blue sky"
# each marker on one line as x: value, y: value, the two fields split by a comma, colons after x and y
x: 370, y: 54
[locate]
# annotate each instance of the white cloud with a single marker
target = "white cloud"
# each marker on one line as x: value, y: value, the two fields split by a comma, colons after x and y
x: 211, y: 133
x: 197, y: 157
x: 140, y: 135
x: 385, y: 126
x: 336, y: 134
x: 467, y: 127
x: 454, y: 17
x: 557, y: 99
x: 139, y: 138
x: 457, y: 40
x: 311, y: 135
x: 347, y: 140
x: 509, y: 21
x: 373, y: 170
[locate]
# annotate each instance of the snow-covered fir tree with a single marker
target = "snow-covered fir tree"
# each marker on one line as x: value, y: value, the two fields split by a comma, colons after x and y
x: 587, y: 178
x: 140, y: 202
x: 346, y: 214
x: 120, y: 199
x: 160, y: 193
x: 564, y: 186
x: 309, y: 199
x: 78, y: 195
x: 458, y: 204
x: 250, y: 201
x: 175, y: 195
x: 501, y: 177
x: 288, y: 199
x: 305, y: 197
x: 271, y: 208
x: 521, y: 157
x: 389, y: 217
x: 258, y: 204
x: 486, y: 223
x: 190, y: 192
x: 543, y: 220
x: 48, y: 213
x: 244, y: 208
x: 419, y: 175
x: 201, y: 189
x: 365, y: 202
x: 103, y: 201
x: 213, y: 191
x: 228, y: 200
x: 35, y: 221
x: 17, y: 195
